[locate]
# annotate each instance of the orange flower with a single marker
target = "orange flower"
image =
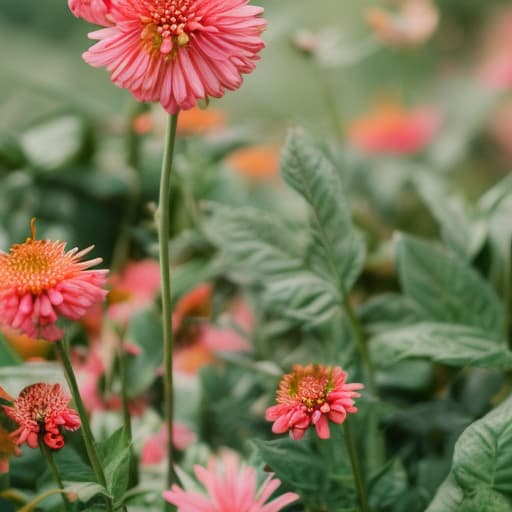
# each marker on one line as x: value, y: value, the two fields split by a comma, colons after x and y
x: 312, y: 395
x: 28, y: 348
x: 8, y: 449
x: 389, y: 128
x: 200, y: 121
x: 412, y: 24
x: 40, y: 281
x: 256, y: 162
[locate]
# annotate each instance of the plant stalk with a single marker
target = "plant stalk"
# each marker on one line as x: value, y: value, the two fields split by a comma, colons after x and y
x: 86, y: 428
x: 356, y: 467
x: 48, y: 455
x: 164, y: 207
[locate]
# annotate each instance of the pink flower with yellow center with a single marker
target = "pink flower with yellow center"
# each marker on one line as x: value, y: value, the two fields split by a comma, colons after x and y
x: 41, y: 411
x: 312, y: 395
x: 178, y: 51
x: 93, y: 11
x: 230, y: 487
x: 390, y: 128
x: 40, y: 281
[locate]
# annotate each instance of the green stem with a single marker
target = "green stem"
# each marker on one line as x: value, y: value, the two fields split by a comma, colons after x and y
x: 361, y: 344
x: 507, y: 292
x: 48, y: 455
x: 86, y: 428
x: 127, y: 419
x: 164, y: 228
x: 356, y: 467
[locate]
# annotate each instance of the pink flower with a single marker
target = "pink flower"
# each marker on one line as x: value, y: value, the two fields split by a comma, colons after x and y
x: 178, y: 51
x: 155, y: 448
x: 41, y: 411
x: 394, y: 130
x: 93, y: 11
x: 39, y: 282
x: 230, y: 487
x: 312, y: 395
x: 133, y: 289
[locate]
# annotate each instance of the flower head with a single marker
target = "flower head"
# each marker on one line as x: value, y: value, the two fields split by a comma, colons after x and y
x: 230, y: 487
x: 93, y: 11
x: 392, y: 129
x: 40, y: 411
x: 312, y: 395
x: 8, y: 449
x: 256, y: 162
x: 177, y: 51
x: 40, y: 281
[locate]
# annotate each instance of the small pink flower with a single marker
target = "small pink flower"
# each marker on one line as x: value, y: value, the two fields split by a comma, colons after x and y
x: 230, y: 487
x: 40, y: 281
x: 41, y: 411
x: 155, y: 448
x: 178, y: 51
x: 93, y: 11
x: 312, y: 395
x: 391, y: 129
x: 133, y: 289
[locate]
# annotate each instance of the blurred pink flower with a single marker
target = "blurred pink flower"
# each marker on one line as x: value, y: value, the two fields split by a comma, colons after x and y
x: 391, y: 129
x: 133, y: 289
x: 412, y: 24
x: 229, y: 487
x: 42, y: 410
x: 496, y: 65
x: 155, y: 448
x: 93, y: 11
x: 39, y: 281
x: 178, y: 51
x: 312, y: 395
x: 197, y: 302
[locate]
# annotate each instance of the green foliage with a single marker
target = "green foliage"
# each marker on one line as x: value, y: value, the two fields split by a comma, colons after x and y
x: 453, y: 345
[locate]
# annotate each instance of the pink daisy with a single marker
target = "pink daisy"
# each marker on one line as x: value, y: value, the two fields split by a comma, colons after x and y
x: 93, y: 11
x: 154, y: 450
x: 41, y: 410
x: 312, y: 395
x: 177, y: 51
x: 230, y: 487
x: 40, y: 281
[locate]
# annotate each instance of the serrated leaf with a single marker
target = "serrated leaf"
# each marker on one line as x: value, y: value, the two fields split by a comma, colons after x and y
x: 446, y: 288
x: 462, y: 235
x: 254, y: 241
x: 338, y: 250
x: 483, y: 453
x: 453, y: 345
x: 115, y: 455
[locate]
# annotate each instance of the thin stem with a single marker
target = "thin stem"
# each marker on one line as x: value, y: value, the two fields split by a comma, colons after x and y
x: 164, y: 208
x: 356, y: 467
x: 507, y: 292
x: 86, y: 428
x: 127, y: 419
x: 48, y: 455
x: 360, y: 344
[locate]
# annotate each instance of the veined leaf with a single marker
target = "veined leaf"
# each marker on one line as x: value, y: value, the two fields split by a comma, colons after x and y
x: 448, y: 498
x: 446, y: 288
x: 453, y: 345
x: 338, y: 251
x: 483, y: 453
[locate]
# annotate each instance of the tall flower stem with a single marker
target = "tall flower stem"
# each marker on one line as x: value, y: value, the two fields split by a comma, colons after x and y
x: 127, y: 419
x: 86, y: 428
x: 356, y: 466
x: 48, y: 455
x: 164, y: 207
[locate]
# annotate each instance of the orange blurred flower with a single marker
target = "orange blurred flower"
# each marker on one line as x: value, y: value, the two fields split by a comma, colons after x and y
x: 198, y: 121
x: 256, y: 162
x: 412, y: 24
x: 389, y: 128
x: 8, y: 449
x: 28, y: 348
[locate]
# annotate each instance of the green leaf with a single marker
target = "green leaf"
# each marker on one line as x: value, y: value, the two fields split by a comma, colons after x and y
x: 453, y: 345
x: 462, y: 235
x: 115, y: 454
x: 387, y: 486
x: 254, y: 242
x: 7, y: 356
x: 446, y: 288
x: 338, y: 249
x: 145, y: 330
x: 448, y: 497
x: 483, y: 453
